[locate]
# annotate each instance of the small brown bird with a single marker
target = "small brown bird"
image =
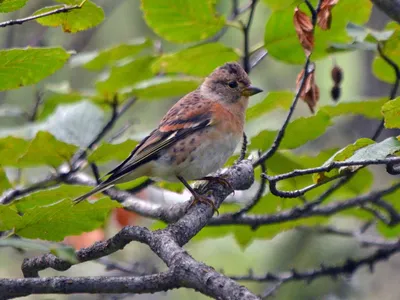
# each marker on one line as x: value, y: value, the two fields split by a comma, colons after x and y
x: 196, y: 136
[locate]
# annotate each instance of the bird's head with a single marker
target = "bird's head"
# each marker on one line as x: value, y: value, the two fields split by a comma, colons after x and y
x: 228, y: 83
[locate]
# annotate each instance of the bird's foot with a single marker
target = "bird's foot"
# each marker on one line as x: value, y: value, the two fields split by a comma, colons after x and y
x: 203, y: 199
x: 220, y: 180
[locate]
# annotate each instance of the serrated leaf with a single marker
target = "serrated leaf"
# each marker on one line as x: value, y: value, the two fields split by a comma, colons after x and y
x: 107, y: 152
x: 125, y: 75
x: 282, y: 42
x: 164, y: 87
x: 391, y: 113
x: 186, y: 61
x: 11, y: 5
x: 298, y: 132
x: 274, y: 99
x: 45, y: 149
x: 55, y: 222
x: 49, y: 196
x: 88, y: 16
x: 184, y: 20
x: 108, y: 57
x: 370, y: 109
x: 21, y: 67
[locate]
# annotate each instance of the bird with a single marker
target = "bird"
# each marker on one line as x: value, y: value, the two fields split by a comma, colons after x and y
x: 195, y: 137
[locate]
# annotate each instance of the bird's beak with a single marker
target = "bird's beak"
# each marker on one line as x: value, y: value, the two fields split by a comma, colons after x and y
x: 251, y: 90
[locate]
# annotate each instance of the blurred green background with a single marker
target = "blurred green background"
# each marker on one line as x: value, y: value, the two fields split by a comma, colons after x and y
x: 299, y: 249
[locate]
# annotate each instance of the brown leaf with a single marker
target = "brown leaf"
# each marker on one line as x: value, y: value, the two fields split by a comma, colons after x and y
x: 310, y: 91
x: 324, y: 19
x: 304, y: 30
x: 329, y: 3
x: 337, y: 74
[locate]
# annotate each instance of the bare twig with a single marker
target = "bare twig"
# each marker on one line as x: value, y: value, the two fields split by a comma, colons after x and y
x: 60, y: 10
x: 347, y: 268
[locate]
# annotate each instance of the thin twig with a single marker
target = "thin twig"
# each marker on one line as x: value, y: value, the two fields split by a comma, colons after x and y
x: 60, y: 10
x: 246, y: 37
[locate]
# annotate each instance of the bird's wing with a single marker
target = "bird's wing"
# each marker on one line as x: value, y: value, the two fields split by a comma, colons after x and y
x: 178, y: 123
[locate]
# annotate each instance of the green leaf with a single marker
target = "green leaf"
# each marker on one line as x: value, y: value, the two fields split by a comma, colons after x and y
x: 186, y: 61
x: 274, y: 99
x: 45, y: 149
x: 107, y: 152
x: 375, y: 151
x: 184, y: 20
x: 370, y: 109
x: 361, y: 150
x: 55, y: 222
x: 380, y: 68
x: 21, y: 67
x: 9, y: 218
x: 108, y: 57
x: 49, y: 196
x: 11, y: 148
x: 282, y: 42
x: 298, y: 132
x: 391, y: 113
x: 4, y: 183
x: 11, y: 5
x: 341, y: 155
x: 126, y: 75
x: 164, y: 87
x: 88, y: 16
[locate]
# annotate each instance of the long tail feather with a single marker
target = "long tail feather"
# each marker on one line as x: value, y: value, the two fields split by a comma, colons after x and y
x: 97, y: 189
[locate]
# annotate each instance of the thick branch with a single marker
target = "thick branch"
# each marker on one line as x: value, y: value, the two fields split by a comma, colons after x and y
x: 166, y: 243
x: 390, y: 8
x: 93, y: 285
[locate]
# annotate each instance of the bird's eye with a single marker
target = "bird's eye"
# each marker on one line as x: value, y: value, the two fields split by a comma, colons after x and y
x: 233, y: 84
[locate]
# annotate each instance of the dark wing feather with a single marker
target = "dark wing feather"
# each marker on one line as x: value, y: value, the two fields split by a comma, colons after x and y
x: 157, y: 141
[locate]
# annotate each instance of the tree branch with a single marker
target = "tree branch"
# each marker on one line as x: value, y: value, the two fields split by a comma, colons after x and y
x: 61, y: 10
x: 390, y: 7
x: 184, y: 271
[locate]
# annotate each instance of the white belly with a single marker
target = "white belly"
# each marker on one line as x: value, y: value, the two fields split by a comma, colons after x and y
x: 205, y: 159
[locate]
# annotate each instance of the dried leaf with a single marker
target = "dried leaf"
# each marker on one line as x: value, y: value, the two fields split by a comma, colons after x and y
x: 304, y: 30
x: 337, y: 74
x: 310, y: 91
x: 324, y: 19
x: 335, y: 93
x: 328, y: 4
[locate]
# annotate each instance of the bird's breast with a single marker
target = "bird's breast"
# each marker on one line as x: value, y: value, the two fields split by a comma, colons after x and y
x: 197, y: 155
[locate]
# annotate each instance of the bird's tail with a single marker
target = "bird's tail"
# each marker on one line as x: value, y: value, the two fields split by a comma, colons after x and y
x: 100, y: 188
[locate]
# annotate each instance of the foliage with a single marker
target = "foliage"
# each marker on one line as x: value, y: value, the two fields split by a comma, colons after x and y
x: 69, y: 128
